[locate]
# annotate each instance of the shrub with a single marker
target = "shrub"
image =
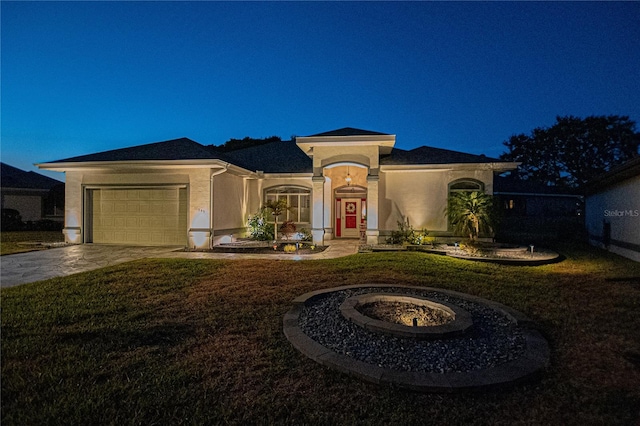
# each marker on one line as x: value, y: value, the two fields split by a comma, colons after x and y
x: 259, y: 228
x: 305, y: 234
x: 407, y: 235
x: 288, y: 228
x: 11, y: 220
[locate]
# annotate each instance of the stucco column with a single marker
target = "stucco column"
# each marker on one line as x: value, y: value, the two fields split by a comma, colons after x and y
x: 73, y: 214
x: 317, y: 210
x: 372, y: 209
x: 328, y: 201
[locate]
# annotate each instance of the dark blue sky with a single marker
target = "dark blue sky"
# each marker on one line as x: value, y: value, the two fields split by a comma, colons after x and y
x: 84, y: 77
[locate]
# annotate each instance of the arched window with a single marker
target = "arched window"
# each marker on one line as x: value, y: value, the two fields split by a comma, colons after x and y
x: 298, y: 200
x: 466, y: 185
x: 462, y: 185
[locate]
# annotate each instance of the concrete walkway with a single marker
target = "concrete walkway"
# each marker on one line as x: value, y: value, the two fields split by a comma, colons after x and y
x: 25, y: 268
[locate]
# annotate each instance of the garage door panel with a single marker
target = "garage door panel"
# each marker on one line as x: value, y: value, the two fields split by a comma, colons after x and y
x: 140, y: 216
x: 119, y: 207
x: 119, y: 221
x: 106, y: 221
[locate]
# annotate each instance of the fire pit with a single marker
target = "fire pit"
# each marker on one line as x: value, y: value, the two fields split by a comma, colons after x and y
x: 403, y: 315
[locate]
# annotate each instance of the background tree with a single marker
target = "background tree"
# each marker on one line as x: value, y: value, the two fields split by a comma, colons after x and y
x: 471, y: 213
x: 573, y: 150
x: 247, y: 142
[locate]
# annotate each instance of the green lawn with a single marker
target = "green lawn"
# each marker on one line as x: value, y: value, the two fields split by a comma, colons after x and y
x: 201, y: 342
x: 14, y: 242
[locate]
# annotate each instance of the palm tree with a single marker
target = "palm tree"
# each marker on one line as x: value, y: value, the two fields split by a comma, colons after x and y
x: 470, y: 213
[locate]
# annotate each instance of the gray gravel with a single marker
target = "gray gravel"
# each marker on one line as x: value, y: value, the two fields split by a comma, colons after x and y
x: 493, y: 340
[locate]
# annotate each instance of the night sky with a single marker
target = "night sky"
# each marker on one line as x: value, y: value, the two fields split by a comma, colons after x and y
x: 83, y: 77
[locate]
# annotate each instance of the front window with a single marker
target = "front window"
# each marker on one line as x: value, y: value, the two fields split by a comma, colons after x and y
x: 466, y: 185
x: 298, y: 200
x: 461, y: 186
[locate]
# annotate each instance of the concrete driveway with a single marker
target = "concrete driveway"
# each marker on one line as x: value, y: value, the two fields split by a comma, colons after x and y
x: 25, y: 268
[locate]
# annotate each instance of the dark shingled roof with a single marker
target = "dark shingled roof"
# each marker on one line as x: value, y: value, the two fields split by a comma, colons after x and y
x: 430, y: 155
x: 175, y: 149
x: 350, y: 131
x: 509, y: 184
x: 12, y: 177
x: 617, y: 174
x: 274, y: 157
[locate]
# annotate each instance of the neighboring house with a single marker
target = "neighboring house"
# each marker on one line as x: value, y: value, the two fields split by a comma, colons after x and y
x: 612, y: 210
x: 181, y: 192
x: 532, y: 211
x: 31, y: 194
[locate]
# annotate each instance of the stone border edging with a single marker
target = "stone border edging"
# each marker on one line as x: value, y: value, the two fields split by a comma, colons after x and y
x: 552, y: 257
x: 532, y: 362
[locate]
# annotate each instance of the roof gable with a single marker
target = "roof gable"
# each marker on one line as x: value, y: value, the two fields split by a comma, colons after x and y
x: 350, y: 131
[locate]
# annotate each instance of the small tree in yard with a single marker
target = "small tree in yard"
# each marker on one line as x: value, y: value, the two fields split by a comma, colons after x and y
x: 277, y: 207
x: 470, y: 213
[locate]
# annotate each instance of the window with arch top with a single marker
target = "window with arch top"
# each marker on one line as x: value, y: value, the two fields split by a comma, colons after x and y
x: 466, y: 185
x: 463, y: 185
x: 298, y: 200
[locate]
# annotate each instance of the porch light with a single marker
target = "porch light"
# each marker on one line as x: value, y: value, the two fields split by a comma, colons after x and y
x: 348, y: 178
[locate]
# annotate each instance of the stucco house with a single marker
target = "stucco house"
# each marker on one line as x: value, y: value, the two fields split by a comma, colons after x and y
x: 612, y: 210
x: 179, y: 192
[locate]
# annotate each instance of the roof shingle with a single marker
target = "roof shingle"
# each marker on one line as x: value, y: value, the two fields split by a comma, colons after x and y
x: 273, y: 157
x: 174, y: 149
x: 12, y: 177
x: 431, y: 155
x: 350, y: 131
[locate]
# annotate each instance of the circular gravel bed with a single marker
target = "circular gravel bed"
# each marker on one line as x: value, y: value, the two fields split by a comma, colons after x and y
x: 497, y: 349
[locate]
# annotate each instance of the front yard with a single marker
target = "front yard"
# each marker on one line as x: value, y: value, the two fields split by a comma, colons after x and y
x: 201, y: 342
x: 24, y: 241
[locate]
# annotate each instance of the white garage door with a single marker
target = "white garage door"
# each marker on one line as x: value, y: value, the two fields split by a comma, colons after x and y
x: 155, y: 216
